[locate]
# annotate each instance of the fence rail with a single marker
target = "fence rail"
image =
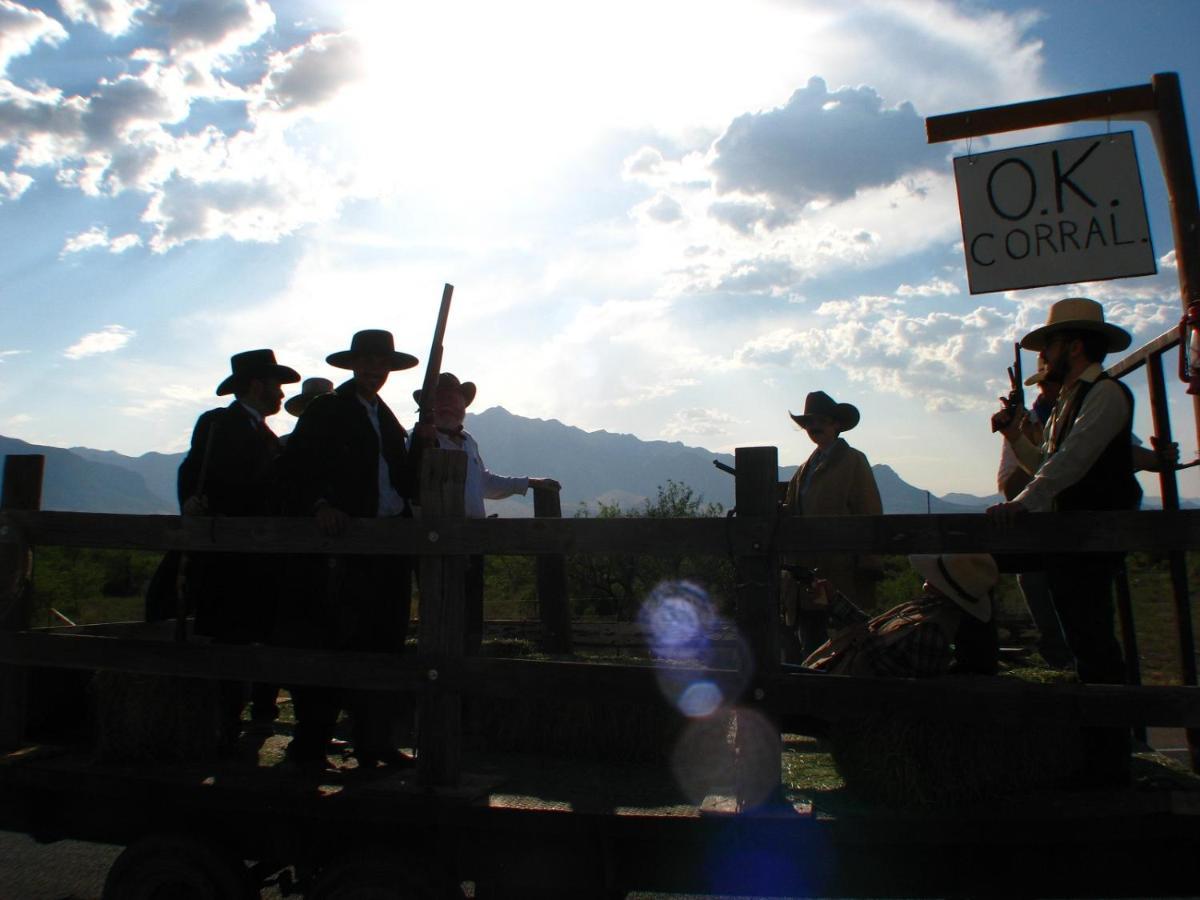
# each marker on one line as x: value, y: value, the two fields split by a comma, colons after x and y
x: 739, y: 536
x: 440, y: 675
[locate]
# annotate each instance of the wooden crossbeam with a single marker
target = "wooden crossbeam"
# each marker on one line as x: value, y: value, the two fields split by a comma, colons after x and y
x: 826, y: 697
x: 1084, y: 531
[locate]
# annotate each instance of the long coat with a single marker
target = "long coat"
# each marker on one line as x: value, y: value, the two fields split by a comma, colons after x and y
x: 842, y: 485
x: 233, y: 593
x: 349, y: 602
x: 333, y: 455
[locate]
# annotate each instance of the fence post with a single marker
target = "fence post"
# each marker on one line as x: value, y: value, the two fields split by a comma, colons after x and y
x: 553, y: 607
x: 1176, y: 559
x: 758, y: 745
x: 441, y: 635
x: 22, y: 490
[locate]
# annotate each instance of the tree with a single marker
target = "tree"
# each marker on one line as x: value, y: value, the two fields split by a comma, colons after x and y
x: 614, y: 585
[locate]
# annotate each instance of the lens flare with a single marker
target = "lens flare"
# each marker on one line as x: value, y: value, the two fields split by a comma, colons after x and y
x: 699, y: 699
x: 678, y: 616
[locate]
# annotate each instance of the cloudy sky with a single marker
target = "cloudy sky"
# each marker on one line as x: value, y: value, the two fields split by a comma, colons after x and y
x: 671, y: 219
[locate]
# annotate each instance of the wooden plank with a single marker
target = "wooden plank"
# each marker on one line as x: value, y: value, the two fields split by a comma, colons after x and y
x: 1036, y: 113
x: 1083, y: 531
x: 553, y: 604
x: 828, y: 697
x: 425, y: 537
x: 281, y: 665
x: 1136, y: 359
x: 834, y: 697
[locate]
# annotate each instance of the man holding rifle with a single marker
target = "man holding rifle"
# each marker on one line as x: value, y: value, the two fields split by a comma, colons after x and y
x: 347, y: 457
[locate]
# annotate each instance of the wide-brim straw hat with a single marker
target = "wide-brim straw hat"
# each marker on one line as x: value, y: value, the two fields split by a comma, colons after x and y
x: 254, y: 364
x: 819, y: 403
x: 312, y: 387
x: 966, y: 578
x: 450, y: 380
x: 1077, y: 314
x: 372, y: 342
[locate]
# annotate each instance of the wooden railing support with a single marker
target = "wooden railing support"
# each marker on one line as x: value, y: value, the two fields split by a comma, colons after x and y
x: 442, y: 632
x: 1176, y: 559
x: 22, y: 490
x: 759, y: 749
x: 553, y: 604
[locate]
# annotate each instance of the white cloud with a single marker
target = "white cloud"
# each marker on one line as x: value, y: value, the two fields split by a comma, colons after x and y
x: 935, y: 287
x: 86, y: 240
x: 22, y: 29
x: 313, y: 73
x: 97, y: 236
x: 18, y: 419
x: 154, y: 402
x: 821, y: 145
x: 699, y: 422
x: 210, y: 29
x: 947, y: 360
x: 13, y: 184
x: 663, y: 208
x: 106, y: 340
x: 114, y: 17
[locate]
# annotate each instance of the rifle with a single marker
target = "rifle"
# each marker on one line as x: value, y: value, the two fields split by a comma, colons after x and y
x: 724, y: 468
x: 433, y: 367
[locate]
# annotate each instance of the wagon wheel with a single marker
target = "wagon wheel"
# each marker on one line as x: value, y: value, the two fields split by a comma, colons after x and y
x: 373, y: 874
x: 177, y: 867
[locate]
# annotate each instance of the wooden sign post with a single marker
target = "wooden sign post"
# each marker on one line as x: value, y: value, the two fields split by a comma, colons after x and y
x: 1160, y: 105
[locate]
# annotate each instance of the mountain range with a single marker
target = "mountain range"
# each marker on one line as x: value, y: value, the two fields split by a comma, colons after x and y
x: 593, y: 467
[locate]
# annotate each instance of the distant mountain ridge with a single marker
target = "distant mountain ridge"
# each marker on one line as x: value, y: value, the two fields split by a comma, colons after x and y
x: 593, y: 467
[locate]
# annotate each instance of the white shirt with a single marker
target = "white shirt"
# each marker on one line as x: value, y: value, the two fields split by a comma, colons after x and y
x: 480, y: 482
x: 390, y: 501
x: 1104, y: 413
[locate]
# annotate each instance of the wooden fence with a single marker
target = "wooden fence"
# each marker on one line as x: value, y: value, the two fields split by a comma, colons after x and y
x: 439, y: 672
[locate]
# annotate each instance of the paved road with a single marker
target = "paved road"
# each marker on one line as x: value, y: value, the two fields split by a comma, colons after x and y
x: 66, y: 870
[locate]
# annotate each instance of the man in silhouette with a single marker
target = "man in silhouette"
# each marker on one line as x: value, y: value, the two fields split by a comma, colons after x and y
x: 347, y: 457
x: 230, y: 470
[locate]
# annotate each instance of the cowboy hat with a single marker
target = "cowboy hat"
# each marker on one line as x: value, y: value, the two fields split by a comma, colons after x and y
x: 450, y: 380
x: 254, y: 364
x: 819, y: 403
x: 312, y: 387
x: 966, y: 578
x: 1076, y: 314
x: 372, y: 342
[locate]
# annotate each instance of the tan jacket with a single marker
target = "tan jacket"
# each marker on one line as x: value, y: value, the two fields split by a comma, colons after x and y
x: 842, y: 485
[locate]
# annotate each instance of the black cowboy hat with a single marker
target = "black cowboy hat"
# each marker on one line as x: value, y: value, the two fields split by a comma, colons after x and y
x: 372, y: 342
x: 449, y: 380
x: 255, y: 364
x: 312, y: 387
x: 819, y: 403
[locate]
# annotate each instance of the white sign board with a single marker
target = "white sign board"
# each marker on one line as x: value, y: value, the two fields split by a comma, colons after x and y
x: 1055, y: 213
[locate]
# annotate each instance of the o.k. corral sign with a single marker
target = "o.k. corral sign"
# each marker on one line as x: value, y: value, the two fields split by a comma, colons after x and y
x: 1053, y: 213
